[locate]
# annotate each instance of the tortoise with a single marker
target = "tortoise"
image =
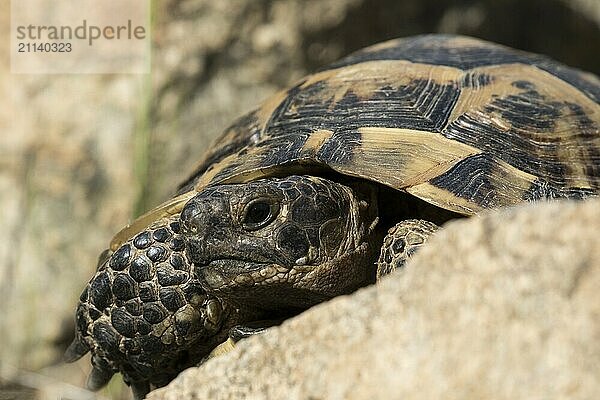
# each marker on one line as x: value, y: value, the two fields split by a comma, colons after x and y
x: 330, y: 185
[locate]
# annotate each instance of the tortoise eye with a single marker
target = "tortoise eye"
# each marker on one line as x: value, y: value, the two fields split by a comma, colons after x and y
x: 259, y: 213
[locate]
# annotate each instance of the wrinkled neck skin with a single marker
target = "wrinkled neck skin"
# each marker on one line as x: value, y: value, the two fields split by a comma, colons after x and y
x: 318, y: 242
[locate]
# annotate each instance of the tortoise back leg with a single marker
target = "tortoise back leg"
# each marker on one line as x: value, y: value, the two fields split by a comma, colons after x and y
x: 401, y: 242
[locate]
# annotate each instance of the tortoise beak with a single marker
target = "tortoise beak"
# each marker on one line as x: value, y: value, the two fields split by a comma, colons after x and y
x: 194, y: 228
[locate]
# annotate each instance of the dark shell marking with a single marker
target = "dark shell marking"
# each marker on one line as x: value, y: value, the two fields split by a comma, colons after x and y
x: 519, y: 110
x: 467, y: 53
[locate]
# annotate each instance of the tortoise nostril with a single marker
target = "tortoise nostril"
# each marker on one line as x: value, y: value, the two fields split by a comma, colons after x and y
x: 190, y: 218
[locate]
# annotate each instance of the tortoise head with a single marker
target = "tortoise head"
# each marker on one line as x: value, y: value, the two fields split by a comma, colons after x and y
x: 281, y: 243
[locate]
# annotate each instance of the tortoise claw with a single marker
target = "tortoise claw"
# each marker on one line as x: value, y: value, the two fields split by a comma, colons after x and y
x: 75, y: 351
x: 239, y: 332
x: 98, y: 378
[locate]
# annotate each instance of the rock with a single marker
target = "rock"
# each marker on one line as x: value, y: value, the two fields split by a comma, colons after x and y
x: 503, y: 306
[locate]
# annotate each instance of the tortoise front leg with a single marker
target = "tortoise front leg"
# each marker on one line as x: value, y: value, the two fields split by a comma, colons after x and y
x: 401, y: 242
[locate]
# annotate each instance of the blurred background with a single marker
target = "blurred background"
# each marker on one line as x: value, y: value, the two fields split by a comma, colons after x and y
x: 82, y: 155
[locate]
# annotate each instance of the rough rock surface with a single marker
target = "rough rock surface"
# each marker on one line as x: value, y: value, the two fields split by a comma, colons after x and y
x: 505, y: 306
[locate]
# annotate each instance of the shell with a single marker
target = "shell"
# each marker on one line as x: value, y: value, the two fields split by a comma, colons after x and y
x: 461, y: 123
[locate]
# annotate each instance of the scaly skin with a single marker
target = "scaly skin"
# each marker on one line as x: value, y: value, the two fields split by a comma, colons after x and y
x: 282, y: 244
x: 144, y: 313
x: 238, y: 258
x: 401, y: 243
